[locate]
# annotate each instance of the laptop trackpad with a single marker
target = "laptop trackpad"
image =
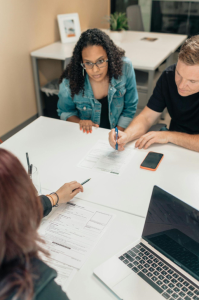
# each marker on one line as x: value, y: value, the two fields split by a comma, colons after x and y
x: 133, y: 287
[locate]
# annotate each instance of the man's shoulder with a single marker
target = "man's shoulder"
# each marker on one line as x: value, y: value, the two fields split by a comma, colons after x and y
x: 168, y: 75
x: 170, y: 69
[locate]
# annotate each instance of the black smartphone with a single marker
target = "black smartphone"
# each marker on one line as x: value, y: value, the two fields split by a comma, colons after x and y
x: 152, y: 161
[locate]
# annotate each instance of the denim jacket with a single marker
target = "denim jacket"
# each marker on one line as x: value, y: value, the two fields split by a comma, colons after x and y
x: 122, y: 99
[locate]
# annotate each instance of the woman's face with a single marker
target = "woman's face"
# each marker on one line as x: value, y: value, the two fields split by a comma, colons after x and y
x: 93, y: 54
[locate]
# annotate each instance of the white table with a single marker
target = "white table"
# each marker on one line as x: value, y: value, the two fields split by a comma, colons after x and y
x: 146, y: 56
x: 123, y: 230
x: 56, y: 147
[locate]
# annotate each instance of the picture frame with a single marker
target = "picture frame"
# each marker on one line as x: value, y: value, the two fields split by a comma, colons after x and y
x: 69, y: 27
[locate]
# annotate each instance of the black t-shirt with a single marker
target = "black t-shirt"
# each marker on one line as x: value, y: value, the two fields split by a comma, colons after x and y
x: 184, y: 111
x: 104, y: 120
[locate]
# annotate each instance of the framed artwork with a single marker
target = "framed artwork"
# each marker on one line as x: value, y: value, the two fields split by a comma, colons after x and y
x: 69, y: 27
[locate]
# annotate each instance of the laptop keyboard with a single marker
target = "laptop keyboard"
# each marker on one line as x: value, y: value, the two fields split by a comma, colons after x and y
x: 160, y: 275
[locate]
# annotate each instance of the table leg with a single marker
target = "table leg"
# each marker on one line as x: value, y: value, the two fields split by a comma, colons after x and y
x: 66, y: 62
x: 37, y: 86
x: 150, y: 84
x: 169, y: 60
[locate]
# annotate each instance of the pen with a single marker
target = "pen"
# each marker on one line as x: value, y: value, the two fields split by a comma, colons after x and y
x: 27, y: 157
x: 116, y: 131
x: 31, y: 171
x: 82, y: 183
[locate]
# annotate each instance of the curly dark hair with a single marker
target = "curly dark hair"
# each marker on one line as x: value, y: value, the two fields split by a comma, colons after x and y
x: 92, y: 37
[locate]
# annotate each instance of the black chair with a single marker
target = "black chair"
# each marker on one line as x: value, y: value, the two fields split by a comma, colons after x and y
x: 158, y: 127
x: 134, y: 17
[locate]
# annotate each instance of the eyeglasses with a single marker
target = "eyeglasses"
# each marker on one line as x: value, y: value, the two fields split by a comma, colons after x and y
x: 100, y: 64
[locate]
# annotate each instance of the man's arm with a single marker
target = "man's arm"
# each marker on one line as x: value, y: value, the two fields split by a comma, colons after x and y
x: 139, y: 126
x: 120, y: 128
x: 188, y: 141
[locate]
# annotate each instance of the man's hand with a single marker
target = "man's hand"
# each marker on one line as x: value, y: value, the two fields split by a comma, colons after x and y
x: 86, y: 125
x: 122, y: 139
x: 159, y: 137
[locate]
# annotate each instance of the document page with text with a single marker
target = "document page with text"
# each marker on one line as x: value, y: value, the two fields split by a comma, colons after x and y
x: 102, y: 157
x: 72, y: 231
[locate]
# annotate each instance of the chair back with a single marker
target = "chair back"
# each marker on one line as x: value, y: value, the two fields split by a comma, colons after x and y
x: 134, y: 17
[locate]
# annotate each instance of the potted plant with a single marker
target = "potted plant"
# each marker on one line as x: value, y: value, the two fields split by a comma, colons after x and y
x: 118, y: 23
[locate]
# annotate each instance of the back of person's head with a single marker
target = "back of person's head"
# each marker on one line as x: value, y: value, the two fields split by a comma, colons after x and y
x: 92, y: 37
x: 189, y: 52
x: 20, y: 216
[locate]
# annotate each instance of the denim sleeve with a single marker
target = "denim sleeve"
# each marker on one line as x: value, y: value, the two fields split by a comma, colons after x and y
x: 130, y: 98
x: 66, y: 106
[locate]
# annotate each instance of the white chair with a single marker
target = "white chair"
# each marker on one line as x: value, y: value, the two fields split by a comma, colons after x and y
x: 134, y: 17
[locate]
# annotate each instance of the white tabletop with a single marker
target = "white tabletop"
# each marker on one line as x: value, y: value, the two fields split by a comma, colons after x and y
x: 144, y: 55
x: 123, y: 230
x: 55, y: 51
x: 56, y: 147
x: 167, y: 41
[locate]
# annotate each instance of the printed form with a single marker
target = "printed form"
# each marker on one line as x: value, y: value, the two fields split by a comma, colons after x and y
x: 65, y: 273
x: 104, y: 158
x: 72, y: 231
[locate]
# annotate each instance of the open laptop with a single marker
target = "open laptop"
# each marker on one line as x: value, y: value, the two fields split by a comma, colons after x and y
x: 164, y: 263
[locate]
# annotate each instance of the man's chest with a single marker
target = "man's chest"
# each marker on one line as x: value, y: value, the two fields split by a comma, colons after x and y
x: 183, y: 109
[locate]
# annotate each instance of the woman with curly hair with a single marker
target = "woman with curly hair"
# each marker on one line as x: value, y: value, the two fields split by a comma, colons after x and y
x: 98, y: 86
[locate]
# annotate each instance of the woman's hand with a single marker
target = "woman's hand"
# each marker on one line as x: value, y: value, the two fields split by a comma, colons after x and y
x: 86, y: 125
x: 66, y: 193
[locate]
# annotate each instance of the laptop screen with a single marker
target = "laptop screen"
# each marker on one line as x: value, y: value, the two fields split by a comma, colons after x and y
x: 172, y: 227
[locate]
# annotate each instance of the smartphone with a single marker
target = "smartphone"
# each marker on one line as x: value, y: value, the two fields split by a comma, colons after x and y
x: 152, y: 161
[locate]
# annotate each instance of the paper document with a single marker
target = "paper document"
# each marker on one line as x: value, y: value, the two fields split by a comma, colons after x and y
x: 103, y: 157
x: 72, y: 231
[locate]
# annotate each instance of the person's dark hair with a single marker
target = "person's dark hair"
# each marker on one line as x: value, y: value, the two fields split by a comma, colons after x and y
x: 189, y: 52
x: 92, y: 37
x: 20, y: 216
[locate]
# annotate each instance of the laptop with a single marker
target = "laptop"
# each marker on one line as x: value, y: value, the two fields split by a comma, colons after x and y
x: 164, y: 263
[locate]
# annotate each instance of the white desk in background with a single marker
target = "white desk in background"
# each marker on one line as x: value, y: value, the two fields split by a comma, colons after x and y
x: 146, y: 56
x: 56, y: 147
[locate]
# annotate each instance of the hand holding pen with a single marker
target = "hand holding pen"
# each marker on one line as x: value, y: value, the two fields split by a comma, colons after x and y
x: 117, y: 139
x: 67, y: 191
